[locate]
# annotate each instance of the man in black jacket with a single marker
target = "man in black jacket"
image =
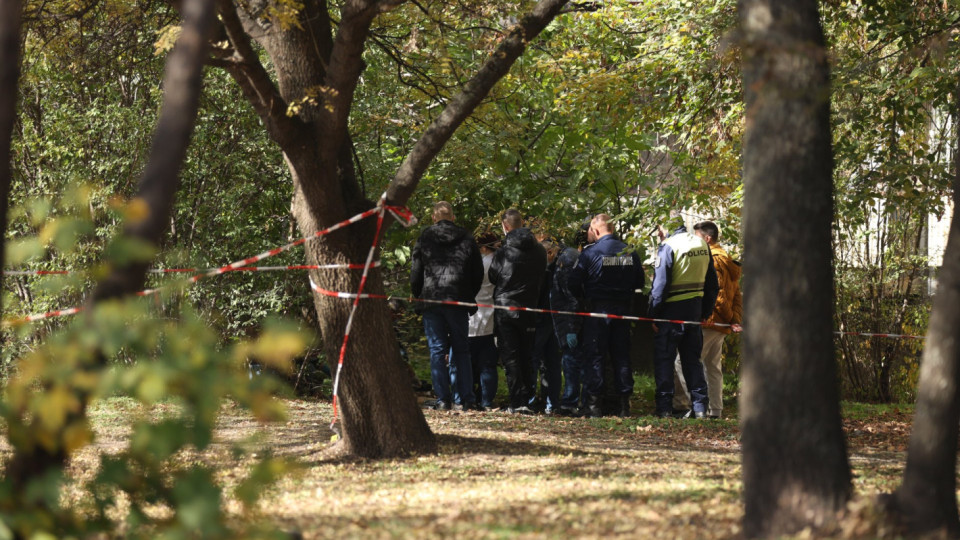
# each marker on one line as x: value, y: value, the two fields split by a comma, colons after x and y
x: 447, y: 267
x: 516, y: 272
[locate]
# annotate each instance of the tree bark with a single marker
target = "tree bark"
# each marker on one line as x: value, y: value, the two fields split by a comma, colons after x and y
x: 380, y: 415
x: 927, y: 500
x: 795, y: 468
x: 158, y: 186
x: 9, y: 78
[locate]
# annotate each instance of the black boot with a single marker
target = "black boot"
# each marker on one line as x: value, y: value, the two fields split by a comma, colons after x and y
x: 624, y: 407
x: 591, y: 407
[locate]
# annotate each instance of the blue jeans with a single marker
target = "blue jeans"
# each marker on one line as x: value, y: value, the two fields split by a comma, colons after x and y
x: 687, y: 339
x: 483, y: 354
x: 446, y: 331
x: 546, y: 357
x: 572, y: 362
x: 607, y: 336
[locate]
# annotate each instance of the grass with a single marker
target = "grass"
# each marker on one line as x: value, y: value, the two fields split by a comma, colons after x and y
x: 506, y: 476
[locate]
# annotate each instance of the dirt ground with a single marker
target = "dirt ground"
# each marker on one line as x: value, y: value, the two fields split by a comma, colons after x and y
x: 509, y: 476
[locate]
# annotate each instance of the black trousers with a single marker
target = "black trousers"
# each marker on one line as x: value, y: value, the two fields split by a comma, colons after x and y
x: 515, y: 337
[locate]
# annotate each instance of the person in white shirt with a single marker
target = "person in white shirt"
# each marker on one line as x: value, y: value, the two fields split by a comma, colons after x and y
x: 483, y: 347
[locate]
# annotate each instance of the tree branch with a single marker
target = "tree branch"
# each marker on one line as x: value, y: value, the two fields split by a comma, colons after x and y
x: 254, y: 81
x: 462, y: 105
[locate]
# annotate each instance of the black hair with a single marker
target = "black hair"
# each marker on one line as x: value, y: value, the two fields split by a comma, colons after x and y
x: 709, y: 228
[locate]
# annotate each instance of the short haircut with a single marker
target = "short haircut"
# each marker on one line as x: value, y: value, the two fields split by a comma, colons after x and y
x: 443, y: 210
x: 602, y: 222
x: 708, y: 228
x: 513, y: 218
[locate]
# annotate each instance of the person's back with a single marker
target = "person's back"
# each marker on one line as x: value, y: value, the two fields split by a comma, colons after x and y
x: 516, y: 273
x: 608, y: 276
x: 685, y: 282
x: 605, y: 271
x: 684, y: 288
x: 446, y: 264
x: 517, y: 270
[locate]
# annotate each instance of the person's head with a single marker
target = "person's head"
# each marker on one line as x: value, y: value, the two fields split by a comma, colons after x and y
x: 580, y: 238
x: 443, y: 211
x: 512, y: 219
x: 708, y: 231
x: 600, y: 226
x: 488, y: 242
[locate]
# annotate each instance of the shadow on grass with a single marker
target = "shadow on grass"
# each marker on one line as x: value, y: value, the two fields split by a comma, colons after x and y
x: 458, y: 444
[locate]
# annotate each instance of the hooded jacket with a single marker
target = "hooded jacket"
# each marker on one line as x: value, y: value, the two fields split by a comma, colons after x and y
x: 729, y: 306
x: 517, y: 270
x: 446, y: 265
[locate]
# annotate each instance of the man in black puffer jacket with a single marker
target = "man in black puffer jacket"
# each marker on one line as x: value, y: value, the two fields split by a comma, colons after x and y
x: 447, y: 266
x: 516, y: 273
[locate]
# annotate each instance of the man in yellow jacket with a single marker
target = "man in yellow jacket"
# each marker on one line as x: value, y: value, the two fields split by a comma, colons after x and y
x: 728, y: 311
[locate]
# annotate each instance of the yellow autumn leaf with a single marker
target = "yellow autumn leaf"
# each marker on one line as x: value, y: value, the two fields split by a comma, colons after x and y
x: 53, y: 406
x: 49, y: 232
x: 76, y: 436
x: 151, y: 388
x: 277, y: 348
x: 136, y: 210
x: 166, y: 38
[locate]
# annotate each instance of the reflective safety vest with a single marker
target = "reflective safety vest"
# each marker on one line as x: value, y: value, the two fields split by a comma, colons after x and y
x: 691, y: 258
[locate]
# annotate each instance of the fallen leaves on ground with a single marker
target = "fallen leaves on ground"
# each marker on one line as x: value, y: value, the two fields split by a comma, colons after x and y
x: 498, y: 475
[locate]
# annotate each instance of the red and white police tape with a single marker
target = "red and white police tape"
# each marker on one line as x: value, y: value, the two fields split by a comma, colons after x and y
x: 353, y: 310
x: 352, y: 266
x: 401, y: 214
x: 335, y: 294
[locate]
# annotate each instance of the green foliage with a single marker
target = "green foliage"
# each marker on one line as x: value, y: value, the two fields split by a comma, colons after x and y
x: 151, y: 488
x: 894, y: 78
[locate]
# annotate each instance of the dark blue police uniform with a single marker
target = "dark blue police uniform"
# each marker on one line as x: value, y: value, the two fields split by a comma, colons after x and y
x: 608, y: 277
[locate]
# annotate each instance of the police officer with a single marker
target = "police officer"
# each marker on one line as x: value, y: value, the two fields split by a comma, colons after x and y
x: 607, y: 275
x: 685, y: 288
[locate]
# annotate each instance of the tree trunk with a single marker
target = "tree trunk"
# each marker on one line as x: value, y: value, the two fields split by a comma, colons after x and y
x: 380, y: 414
x: 158, y: 186
x: 795, y: 469
x: 927, y: 500
x: 9, y: 75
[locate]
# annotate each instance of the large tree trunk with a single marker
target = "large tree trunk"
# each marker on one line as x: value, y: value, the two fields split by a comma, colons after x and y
x: 380, y: 414
x: 927, y: 500
x: 795, y: 469
x: 157, y: 188
x: 9, y: 75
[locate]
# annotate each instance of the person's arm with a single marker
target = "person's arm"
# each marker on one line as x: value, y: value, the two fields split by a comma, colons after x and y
x: 661, y: 279
x: 578, y: 275
x: 416, y: 271
x: 493, y: 274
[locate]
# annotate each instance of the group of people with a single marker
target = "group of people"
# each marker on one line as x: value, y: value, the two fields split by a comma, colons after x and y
x: 576, y: 360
